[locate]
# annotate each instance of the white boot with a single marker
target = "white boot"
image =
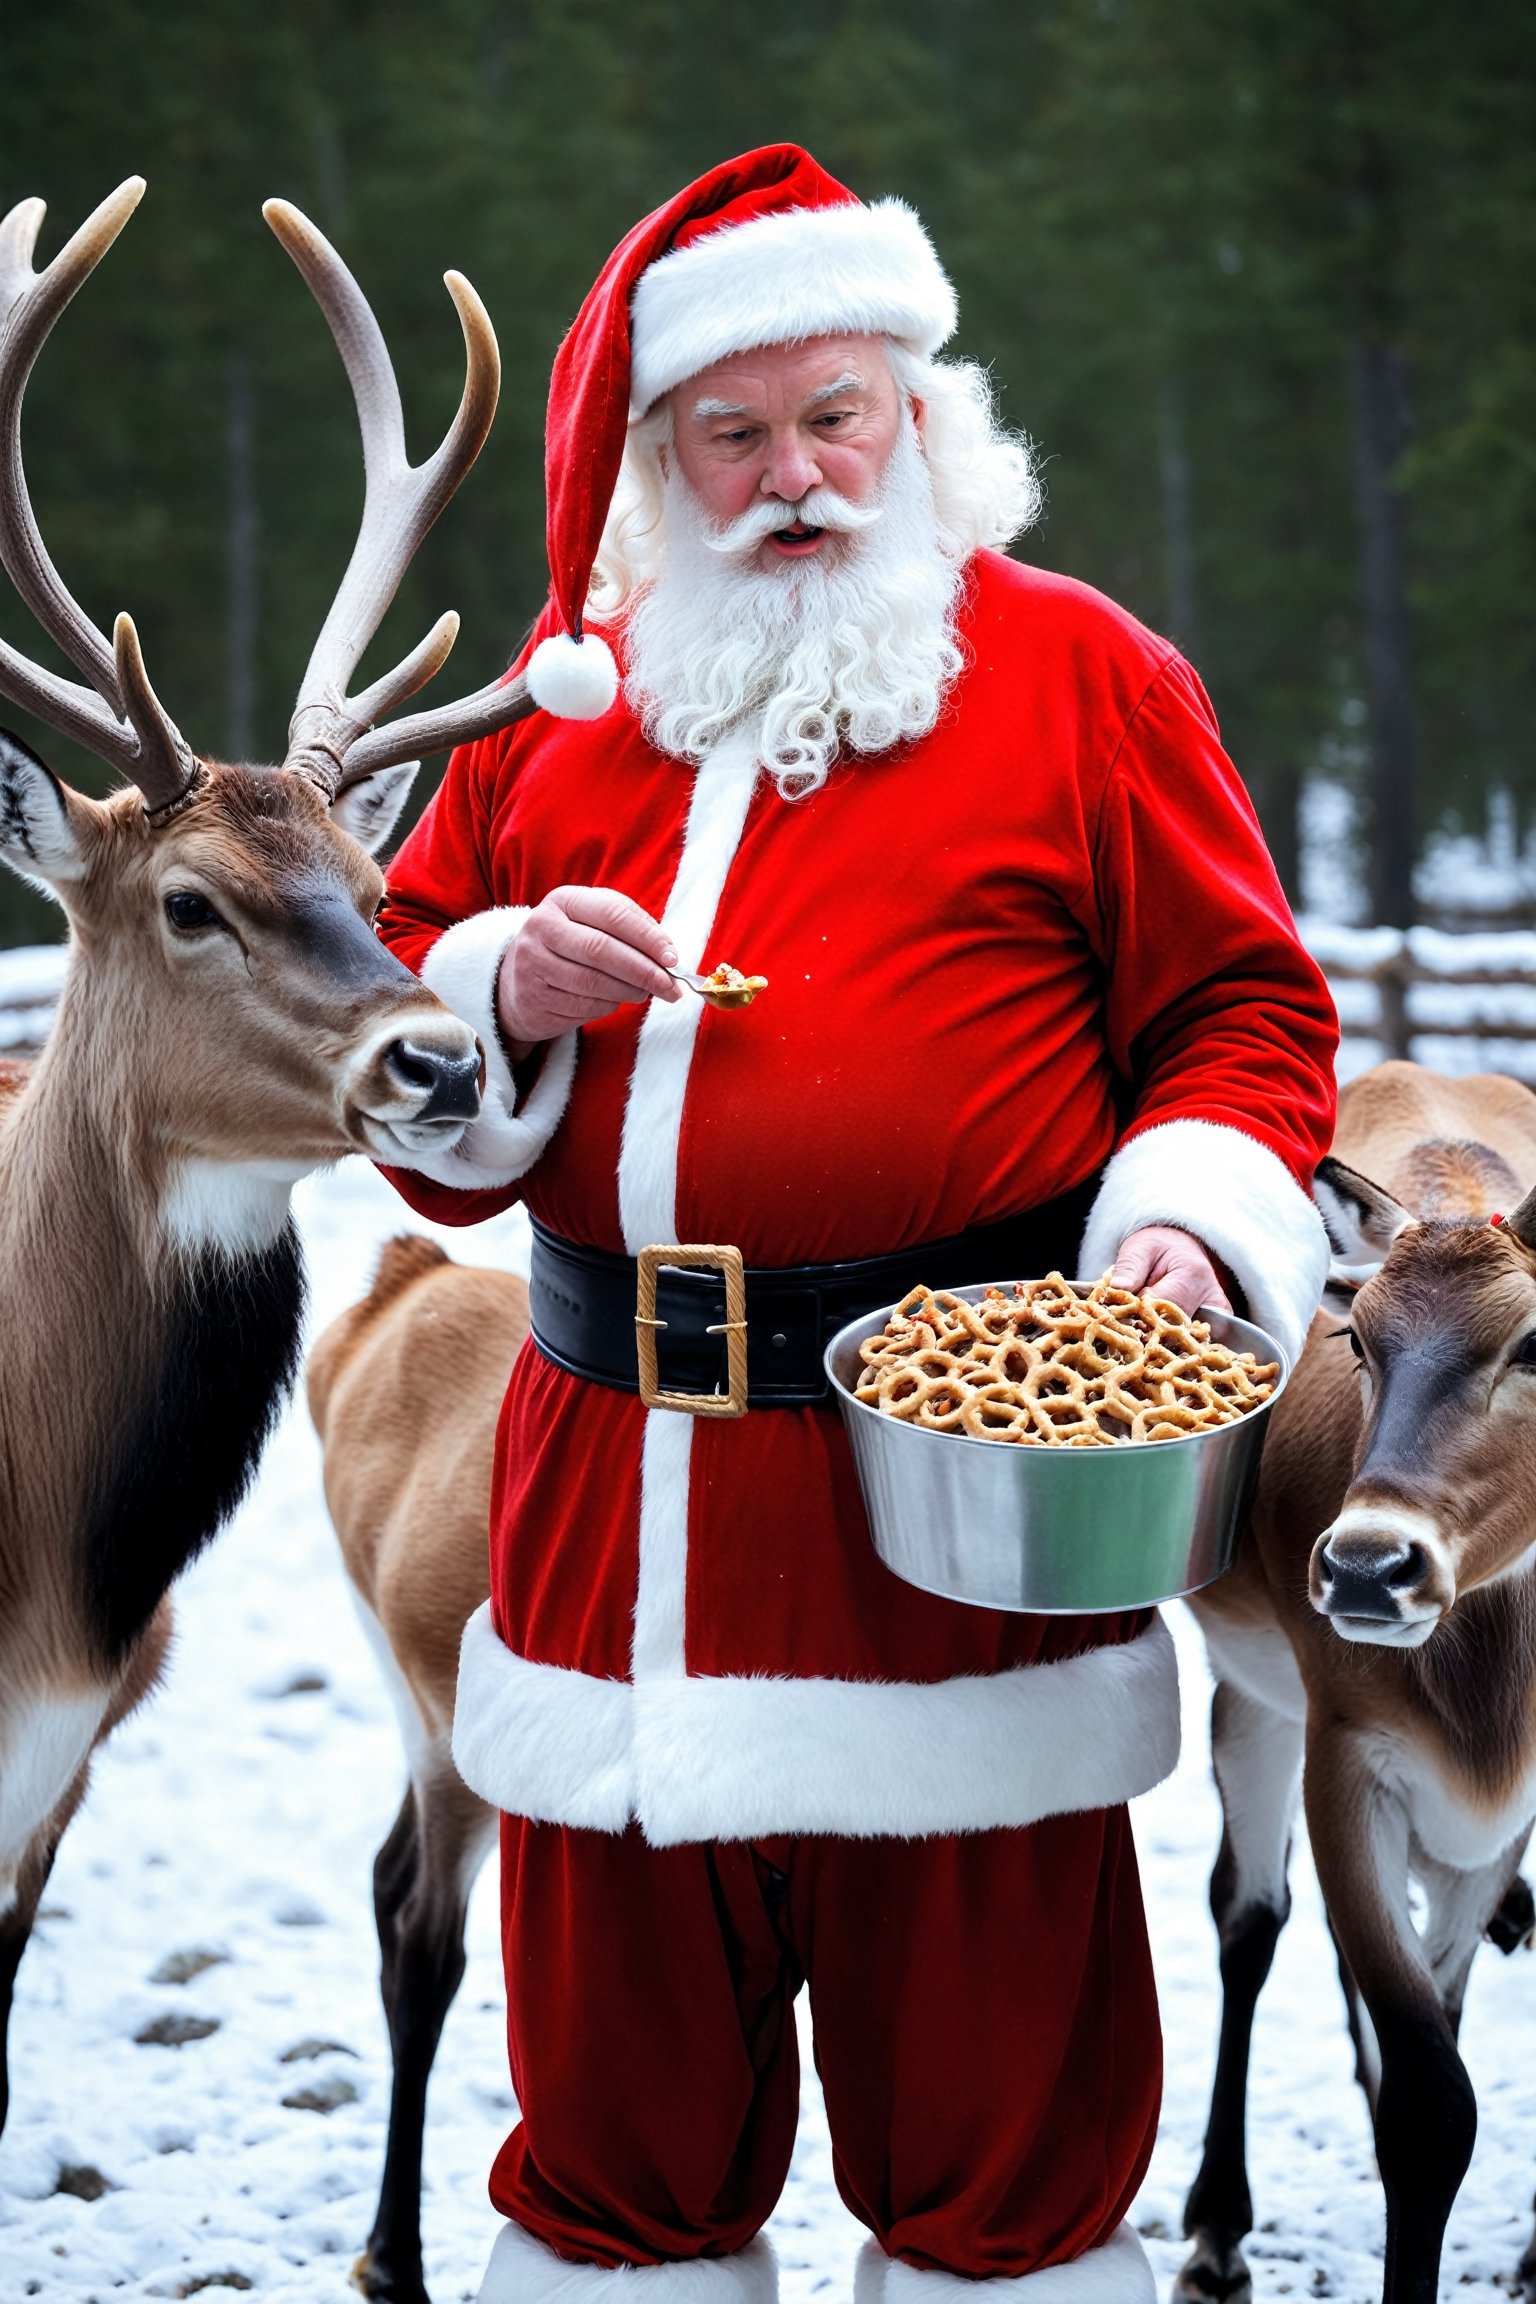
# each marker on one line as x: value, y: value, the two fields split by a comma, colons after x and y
x: 1115, y: 2273
x: 523, y: 2271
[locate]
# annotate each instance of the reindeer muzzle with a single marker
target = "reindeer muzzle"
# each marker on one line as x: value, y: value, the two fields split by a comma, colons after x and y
x: 448, y: 1080
x: 1378, y: 1579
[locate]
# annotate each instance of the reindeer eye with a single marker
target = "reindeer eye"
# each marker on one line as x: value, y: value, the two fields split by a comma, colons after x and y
x: 1524, y: 1354
x: 1355, y: 1344
x: 188, y: 912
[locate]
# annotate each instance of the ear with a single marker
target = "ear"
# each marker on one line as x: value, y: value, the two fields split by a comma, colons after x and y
x: 1360, y: 1219
x: 370, y: 808
x: 40, y: 827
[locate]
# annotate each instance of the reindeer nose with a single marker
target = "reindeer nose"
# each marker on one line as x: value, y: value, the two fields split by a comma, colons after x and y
x: 1369, y: 1581
x: 450, y: 1083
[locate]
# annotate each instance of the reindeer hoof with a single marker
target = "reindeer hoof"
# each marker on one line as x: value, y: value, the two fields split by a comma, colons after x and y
x: 381, y: 2286
x: 1515, y: 1918
x: 1216, y: 2273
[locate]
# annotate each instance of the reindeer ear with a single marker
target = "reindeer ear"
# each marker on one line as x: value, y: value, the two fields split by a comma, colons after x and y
x: 1360, y: 1219
x: 370, y: 808
x: 39, y: 827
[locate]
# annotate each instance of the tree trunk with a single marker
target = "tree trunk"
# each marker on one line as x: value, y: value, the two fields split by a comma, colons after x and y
x: 1379, y: 405
x: 240, y: 450
x: 1178, y: 526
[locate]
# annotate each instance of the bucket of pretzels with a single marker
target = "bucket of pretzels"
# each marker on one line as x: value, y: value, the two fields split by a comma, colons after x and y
x: 1054, y: 1446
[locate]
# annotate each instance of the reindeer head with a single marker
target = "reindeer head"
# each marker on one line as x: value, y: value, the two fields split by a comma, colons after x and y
x: 1442, y: 1497
x: 228, y: 1002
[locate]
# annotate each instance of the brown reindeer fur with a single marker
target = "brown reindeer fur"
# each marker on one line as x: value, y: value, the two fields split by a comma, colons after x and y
x: 150, y: 1282
x: 1400, y: 1485
x: 1450, y: 1151
x: 405, y: 1390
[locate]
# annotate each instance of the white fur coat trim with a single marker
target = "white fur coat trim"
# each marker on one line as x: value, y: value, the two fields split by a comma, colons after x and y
x: 1116, y: 2272
x: 507, y: 1139
x: 540, y: 1741
x: 1232, y: 1193
x: 523, y: 2271
x: 732, y: 1758
x: 658, y: 1084
x: 842, y: 271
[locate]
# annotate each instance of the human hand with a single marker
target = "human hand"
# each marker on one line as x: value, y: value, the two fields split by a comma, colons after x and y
x: 1160, y: 1260
x: 580, y: 954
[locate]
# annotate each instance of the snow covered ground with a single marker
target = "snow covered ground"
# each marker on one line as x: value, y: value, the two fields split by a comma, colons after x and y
x: 230, y: 1832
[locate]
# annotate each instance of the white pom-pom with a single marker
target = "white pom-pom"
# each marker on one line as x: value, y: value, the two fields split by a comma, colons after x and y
x: 574, y: 679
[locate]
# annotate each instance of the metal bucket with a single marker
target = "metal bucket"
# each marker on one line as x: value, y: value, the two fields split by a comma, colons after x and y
x: 1053, y: 1531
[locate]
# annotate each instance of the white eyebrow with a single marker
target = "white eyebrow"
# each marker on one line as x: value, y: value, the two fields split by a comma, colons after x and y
x: 849, y: 383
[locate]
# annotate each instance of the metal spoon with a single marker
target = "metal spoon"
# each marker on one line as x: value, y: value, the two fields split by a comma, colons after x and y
x: 718, y: 995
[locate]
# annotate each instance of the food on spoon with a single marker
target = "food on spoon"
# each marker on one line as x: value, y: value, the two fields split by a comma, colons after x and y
x: 726, y: 987
x: 1052, y: 1365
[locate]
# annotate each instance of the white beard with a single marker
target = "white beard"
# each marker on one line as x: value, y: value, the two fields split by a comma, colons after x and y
x: 807, y: 657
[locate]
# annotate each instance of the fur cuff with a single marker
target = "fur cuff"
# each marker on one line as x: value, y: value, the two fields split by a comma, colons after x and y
x: 1236, y: 1197
x: 506, y: 1140
x: 716, y: 1758
x: 523, y: 2271
x: 1115, y: 2273
x: 847, y: 270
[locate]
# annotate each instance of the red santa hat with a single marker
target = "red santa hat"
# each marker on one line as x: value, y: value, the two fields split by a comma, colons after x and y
x: 765, y: 249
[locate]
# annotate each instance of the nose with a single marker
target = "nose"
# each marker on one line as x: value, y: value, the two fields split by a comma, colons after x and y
x: 1369, y: 1581
x: 790, y: 471
x: 1385, y: 1571
x: 447, y: 1080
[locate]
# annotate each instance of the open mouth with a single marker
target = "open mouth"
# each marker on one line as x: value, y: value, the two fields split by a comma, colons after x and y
x: 798, y: 535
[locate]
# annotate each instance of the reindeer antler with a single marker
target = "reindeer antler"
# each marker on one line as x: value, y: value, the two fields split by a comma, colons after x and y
x: 331, y: 737
x: 119, y: 715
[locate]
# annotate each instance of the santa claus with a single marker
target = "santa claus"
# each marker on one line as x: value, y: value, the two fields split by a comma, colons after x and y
x: 1034, y: 999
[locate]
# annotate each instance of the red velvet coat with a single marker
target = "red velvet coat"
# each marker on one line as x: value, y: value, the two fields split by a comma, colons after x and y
x: 1044, y: 938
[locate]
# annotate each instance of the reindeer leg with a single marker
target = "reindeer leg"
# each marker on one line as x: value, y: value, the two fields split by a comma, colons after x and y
x: 1256, y: 1751
x: 16, y: 1932
x: 16, y: 1924
x: 1464, y: 1907
x: 17, y: 1920
x: 1426, y: 2113
x: 1362, y: 2032
x: 1257, y: 1756
x: 422, y: 1878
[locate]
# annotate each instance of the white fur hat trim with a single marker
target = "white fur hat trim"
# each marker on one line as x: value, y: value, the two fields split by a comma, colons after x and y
x: 573, y: 679
x: 848, y: 270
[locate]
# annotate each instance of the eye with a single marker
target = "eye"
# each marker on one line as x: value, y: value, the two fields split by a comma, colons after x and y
x: 1524, y: 1353
x: 1355, y: 1344
x: 187, y: 912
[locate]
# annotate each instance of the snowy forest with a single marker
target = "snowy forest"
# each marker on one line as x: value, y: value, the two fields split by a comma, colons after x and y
x: 1260, y: 283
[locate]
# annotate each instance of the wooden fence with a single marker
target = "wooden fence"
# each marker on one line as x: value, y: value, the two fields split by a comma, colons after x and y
x: 1463, y: 969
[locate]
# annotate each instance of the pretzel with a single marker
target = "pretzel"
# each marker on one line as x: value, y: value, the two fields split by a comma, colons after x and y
x: 1050, y: 1365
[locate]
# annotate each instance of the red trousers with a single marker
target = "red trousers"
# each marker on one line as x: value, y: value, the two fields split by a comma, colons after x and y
x: 985, y: 2025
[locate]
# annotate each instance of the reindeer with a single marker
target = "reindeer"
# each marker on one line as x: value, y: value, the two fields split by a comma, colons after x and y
x: 1388, y: 1663
x: 410, y: 1496
x: 228, y: 1021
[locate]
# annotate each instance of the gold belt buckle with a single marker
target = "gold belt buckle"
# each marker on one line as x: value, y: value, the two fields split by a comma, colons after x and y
x: 694, y: 1256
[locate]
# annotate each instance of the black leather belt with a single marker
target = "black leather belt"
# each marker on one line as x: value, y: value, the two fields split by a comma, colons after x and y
x: 584, y: 1303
